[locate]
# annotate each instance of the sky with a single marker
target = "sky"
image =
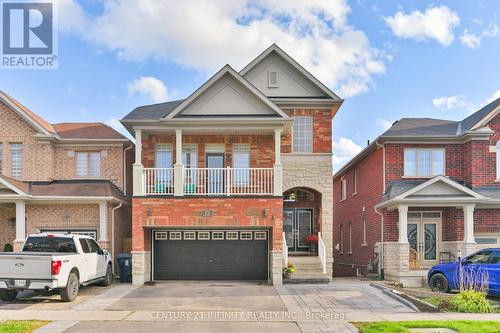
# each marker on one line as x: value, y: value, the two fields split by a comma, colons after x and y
x: 387, y: 59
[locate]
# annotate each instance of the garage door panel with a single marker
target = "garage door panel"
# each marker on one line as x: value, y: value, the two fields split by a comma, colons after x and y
x: 211, y: 259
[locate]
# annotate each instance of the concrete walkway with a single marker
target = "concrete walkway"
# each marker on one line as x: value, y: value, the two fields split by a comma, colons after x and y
x: 242, y: 308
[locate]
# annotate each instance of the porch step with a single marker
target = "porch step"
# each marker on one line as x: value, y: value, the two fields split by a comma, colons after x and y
x: 297, y: 278
x: 307, y: 270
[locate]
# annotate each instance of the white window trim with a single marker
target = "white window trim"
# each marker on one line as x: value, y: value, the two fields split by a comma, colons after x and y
x: 20, y: 175
x: 87, y: 170
x: 417, y: 150
x: 169, y: 148
x: 341, y: 228
x: 364, y: 231
x: 350, y: 238
x: 312, y: 136
x: 355, y: 182
x: 269, y: 83
x: 343, y: 189
x: 498, y: 161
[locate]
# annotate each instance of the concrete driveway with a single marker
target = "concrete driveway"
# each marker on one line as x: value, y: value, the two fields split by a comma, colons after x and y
x: 202, y: 296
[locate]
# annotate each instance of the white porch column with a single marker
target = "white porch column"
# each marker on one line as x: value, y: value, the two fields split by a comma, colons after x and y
x: 103, y: 222
x: 178, y: 167
x: 138, y: 187
x: 278, y: 168
x: 20, y: 222
x: 469, y: 224
x: 403, y: 224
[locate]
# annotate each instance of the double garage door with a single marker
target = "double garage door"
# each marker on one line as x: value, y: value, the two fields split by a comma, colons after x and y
x: 210, y: 254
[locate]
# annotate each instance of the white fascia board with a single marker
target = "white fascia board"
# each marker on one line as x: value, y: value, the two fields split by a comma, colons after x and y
x: 225, y: 70
x: 486, y: 119
x: 443, y: 179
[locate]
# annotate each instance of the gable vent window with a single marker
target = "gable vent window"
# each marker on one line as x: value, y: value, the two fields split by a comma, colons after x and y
x: 272, y: 79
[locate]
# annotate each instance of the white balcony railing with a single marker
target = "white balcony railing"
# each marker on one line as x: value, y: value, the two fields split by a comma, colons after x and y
x: 285, y: 251
x: 158, y: 181
x: 228, y: 181
x: 210, y: 181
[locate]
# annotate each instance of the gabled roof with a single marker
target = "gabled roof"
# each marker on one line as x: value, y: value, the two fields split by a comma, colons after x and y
x: 35, y: 120
x: 87, y: 131
x: 480, y: 117
x: 154, y: 111
x: 226, y: 70
x: 17, y: 186
x: 422, y: 127
x: 276, y: 49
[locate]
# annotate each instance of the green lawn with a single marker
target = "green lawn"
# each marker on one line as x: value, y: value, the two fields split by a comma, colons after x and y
x: 462, y: 326
x: 12, y: 326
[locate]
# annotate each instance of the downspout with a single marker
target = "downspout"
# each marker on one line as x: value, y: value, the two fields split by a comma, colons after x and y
x: 125, y: 169
x: 381, y: 257
x: 113, y: 232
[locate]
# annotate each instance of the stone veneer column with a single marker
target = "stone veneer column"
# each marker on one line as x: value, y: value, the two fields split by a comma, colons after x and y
x: 276, y: 268
x: 141, y: 267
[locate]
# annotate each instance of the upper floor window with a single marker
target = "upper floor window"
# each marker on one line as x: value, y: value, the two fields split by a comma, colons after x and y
x: 189, y: 155
x: 302, y: 134
x: 423, y: 162
x: 354, y: 182
x: 16, y: 160
x: 163, y: 156
x: 343, y: 188
x: 88, y: 164
x: 241, y: 162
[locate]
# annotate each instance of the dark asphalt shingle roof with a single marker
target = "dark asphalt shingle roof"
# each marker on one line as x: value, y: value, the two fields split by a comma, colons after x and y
x: 492, y: 192
x: 422, y: 127
x: 476, y: 117
x: 153, y: 112
x: 398, y: 187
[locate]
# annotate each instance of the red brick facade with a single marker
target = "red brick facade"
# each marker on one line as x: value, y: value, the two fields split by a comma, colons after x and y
x: 471, y: 163
x: 190, y: 212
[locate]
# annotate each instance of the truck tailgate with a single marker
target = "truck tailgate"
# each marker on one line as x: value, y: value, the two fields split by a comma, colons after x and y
x: 25, y: 266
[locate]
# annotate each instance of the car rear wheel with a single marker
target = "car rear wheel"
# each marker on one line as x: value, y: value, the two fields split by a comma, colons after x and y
x: 439, y: 282
x: 70, y: 292
x: 8, y: 295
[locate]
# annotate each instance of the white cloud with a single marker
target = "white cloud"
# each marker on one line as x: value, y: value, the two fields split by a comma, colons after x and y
x: 434, y: 23
x: 451, y: 102
x: 473, y: 40
x: 343, y: 150
x: 493, y: 97
x: 72, y: 18
x: 384, y: 124
x: 205, y: 35
x: 150, y: 87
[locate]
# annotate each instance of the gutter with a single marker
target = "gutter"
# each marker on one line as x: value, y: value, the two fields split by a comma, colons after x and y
x: 113, y: 231
x: 381, y: 257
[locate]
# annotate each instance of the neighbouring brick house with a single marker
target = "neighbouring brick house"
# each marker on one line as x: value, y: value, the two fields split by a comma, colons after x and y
x: 222, y: 176
x: 425, y: 191
x: 69, y: 177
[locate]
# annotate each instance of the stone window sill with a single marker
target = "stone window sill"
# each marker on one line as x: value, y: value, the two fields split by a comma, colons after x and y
x: 364, y: 245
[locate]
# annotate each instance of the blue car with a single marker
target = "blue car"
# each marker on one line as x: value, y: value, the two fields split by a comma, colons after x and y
x: 445, y: 277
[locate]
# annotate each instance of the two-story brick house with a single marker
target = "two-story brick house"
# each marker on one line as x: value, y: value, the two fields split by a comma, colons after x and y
x: 425, y: 191
x: 211, y: 173
x: 69, y: 177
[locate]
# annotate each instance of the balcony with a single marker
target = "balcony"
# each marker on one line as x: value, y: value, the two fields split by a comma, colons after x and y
x: 210, y: 181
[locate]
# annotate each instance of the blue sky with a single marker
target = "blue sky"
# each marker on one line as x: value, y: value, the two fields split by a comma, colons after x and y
x: 388, y: 59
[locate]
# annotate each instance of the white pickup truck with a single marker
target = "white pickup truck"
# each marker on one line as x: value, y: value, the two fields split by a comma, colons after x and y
x: 54, y: 262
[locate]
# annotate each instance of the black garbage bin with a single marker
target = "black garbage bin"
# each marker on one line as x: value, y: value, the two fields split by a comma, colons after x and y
x: 125, y: 265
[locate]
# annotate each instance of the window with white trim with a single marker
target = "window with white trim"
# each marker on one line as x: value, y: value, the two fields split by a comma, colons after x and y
x: 350, y: 238
x: 175, y: 235
x: 302, y: 134
x: 161, y: 235
x: 16, y: 160
x: 354, y: 182
x: 246, y: 235
x: 232, y: 235
x: 343, y: 188
x: 260, y: 235
x: 88, y: 164
x: 189, y: 155
x: 203, y: 235
x: 241, y: 162
x: 189, y: 235
x: 218, y: 235
x: 364, y: 231
x: 424, y: 162
x: 341, y: 229
x: 163, y: 156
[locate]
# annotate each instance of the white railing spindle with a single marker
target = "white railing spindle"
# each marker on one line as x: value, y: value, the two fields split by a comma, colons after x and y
x: 322, y: 252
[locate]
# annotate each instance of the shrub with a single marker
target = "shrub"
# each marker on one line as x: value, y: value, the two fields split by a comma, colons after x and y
x: 470, y: 301
x: 7, y: 248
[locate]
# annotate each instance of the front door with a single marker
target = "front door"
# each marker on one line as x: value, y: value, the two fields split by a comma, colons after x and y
x: 297, y: 225
x: 423, y: 238
x: 215, y: 173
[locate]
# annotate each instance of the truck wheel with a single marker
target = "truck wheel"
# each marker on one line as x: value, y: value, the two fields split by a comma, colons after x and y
x: 70, y: 292
x: 8, y: 295
x: 108, y: 278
